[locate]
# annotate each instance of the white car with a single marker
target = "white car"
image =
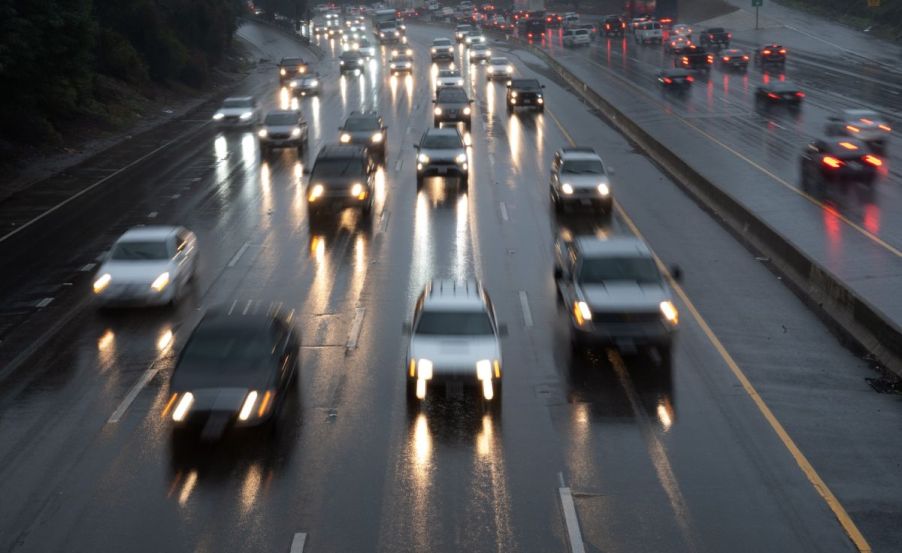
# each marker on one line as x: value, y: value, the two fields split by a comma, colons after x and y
x: 576, y: 37
x: 401, y: 63
x: 240, y: 111
x: 479, y: 53
x: 147, y: 266
x: 454, y: 342
x: 442, y: 50
x: 474, y: 37
x: 499, y: 68
x: 366, y: 48
x: 649, y: 32
x: 449, y: 77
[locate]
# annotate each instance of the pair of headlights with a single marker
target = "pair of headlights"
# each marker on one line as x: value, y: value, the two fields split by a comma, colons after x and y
x: 438, y: 110
x: 377, y: 138
x: 295, y: 132
x: 460, y: 159
x: 254, y: 404
x: 104, y: 280
x: 583, y: 314
x: 603, y: 189
x: 317, y: 190
x: 244, y: 116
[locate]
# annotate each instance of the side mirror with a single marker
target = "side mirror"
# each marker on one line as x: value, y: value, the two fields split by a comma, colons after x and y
x: 558, y: 273
x: 502, y: 330
x: 676, y: 272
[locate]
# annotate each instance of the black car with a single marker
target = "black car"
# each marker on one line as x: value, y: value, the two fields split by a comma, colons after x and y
x: 291, y: 68
x: 526, y: 93
x: 351, y: 61
x: 770, y: 55
x: 366, y: 129
x: 235, y: 371
x: 675, y: 79
x: 715, y: 38
x: 694, y: 58
x: 343, y: 176
x: 452, y: 106
x: 613, y: 26
x: 838, y: 160
x: 733, y: 60
x: 776, y: 93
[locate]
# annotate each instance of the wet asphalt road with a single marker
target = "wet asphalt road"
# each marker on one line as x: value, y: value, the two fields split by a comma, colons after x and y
x: 657, y: 459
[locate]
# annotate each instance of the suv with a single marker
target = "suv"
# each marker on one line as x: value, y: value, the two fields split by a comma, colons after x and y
x: 479, y: 53
x: 305, y: 85
x: 452, y: 105
x: 351, y: 61
x: 576, y: 37
x: 442, y: 50
x: 400, y: 63
x: 343, y: 176
x: 578, y: 178
x: 449, y: 77
x: 715, y: 38
x: 838, y: 160
x: 283, y: 129
x: 498, y: 68
x: 770, y: 54
x: 525, y: 93
x: 694, y: 58
x: 455, y: 342
x: 733, y: 60
x: 863, y: 124
x: 474, y: 37
x: 613, y: 26
x: 290, y: 68
x: 442, y: 152
x: 461, y: 32
x: 365, y: 129
x: 614, y: 294
x: 649, y: 32
x: 241, y: 111
x: 389, y: 34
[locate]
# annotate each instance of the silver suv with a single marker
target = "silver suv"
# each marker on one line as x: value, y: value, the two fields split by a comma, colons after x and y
x: 283, y: 129
x: 578, y: 178
x: 442, y: 152
x: 454, y: 342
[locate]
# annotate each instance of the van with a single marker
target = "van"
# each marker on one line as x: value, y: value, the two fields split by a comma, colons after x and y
x: 649, y: 32
x: 576, y: 37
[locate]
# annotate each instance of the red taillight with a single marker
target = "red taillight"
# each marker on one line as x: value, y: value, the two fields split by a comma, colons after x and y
x: 725, y: 58
x: 729, y: 35
x: 831, y: 161
x: 667, y: 80
x: 885, y: 128
x: 689, y: 78
x: 745, y: 58
x: 773, y: 96
x: 873, y: 160
x: 800, y: 94
x: 783, y: 50
x: 710, y: 58
x: 685, y: 60
x: 766, y: 52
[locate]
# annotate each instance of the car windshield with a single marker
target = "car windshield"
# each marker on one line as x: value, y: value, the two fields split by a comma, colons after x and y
x: 583, y: 167
x: 337, y: 167
x: 499, y: 61
x: 292, y: 62
x: 212, y: 348
x: 454, y: 323
x: 235, y: 103
x: 525, y: 84
x: 282, y: 119
x: 403, y: 57
x: 139, y: 251
x: 605, y: 269
x: 350, y: 56
x: 441, y: 42
x: 449, y: 73
x: 441, y: 141
x: 452, y: 95
x: 361, y: 124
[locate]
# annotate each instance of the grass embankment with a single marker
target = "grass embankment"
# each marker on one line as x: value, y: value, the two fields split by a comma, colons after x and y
x: 884, y: 21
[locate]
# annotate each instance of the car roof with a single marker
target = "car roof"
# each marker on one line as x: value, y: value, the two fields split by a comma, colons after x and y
x: 579, y: 153
x: 676, y: 72
x: 148, y: 233
x: 442, y: 131
x: 591, y: 246
x: 782, y: 85
x: 242, y: 98
x: 499, y: 59
x: 341, y: 151
x: 286, y: 61
x: 856, y: 113
x: 840, y: 145
x: 283, y: 112
x: 447, y: 294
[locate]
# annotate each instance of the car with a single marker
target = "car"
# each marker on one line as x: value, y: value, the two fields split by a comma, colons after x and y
x: 238, y: 111
x: 442, y: 152
x: 554, y: 20
x: 694, y: 58
x: 676, y: 79
x: 366, y: 129
x: 455, y: 342
x: 452, y: 106
x: 525, y: 93
x: 366, y: 48
x: 838, y: 160
x: 579, y: 179
x: 636, y: 21
x: 677, y: 44
x: 715, y: 38
x: 499, y: 68
x: 461, y: 32
x: 235, y: 373
x: 774, y: 93
x: 351, y: 61
x: 147, y: 266
x: 681, y: 29
x: 320, y: 29
x: 474, y: 37
x: 613, y: 26
x: 770, y: 54
x: 283, y: 129
x: 449, y: 77
x: 479, y: 53
x: 289, y: 68
x: 648, y: 32
x: 572, y: 38
x: 442, y: 50
x: 401, y: 63
x: 343, y: 175
x: 863, y: 124
x: 305, y: 85
x: 389, y: 34
x: 614, y: 294
x: 733, y: 60
x: 570, y: 19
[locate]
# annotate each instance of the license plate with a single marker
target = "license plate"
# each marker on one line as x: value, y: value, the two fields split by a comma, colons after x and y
x: 854, y: 165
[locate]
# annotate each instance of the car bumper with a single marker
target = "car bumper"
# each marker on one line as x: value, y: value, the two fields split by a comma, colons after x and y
x: 449, y: 168
x: 444, y: 118
x: 280, y: 142
x: 625, y: 334
x: 135, y: 295
x: 594, y: 201
x: 536, y: 103
x: 847, y: 174
x: 337, y: 203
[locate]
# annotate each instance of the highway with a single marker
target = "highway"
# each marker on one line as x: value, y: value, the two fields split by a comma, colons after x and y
x: 739, y: 445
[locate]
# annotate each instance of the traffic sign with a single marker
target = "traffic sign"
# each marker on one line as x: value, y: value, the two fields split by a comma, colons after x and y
x: 759, y: 3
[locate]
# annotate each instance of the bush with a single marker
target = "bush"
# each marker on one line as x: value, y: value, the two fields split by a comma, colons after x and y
x: 117, y: 58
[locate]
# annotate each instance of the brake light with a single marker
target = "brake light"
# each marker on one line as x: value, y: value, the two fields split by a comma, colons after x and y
x: 873, y: 160
x: 685, y: 60
x: 848, y: 145
x: 773, y: 96
x: 866, y: 121
x: 726, y: 58
x: 766, y: 52
x: 745, y: 58
x: 729, y: 35
x: 800, y: 94
x: 689, y: 78
x: 852, y: 128
x: 831, y: 161
x: 667, y: 80
x: 710, y: 58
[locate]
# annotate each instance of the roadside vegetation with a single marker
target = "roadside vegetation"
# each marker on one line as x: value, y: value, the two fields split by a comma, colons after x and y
x: 884, y: 20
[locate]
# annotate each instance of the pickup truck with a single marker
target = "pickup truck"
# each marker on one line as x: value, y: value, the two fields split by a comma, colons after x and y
x: 715, y: 38
x: 694, y: 58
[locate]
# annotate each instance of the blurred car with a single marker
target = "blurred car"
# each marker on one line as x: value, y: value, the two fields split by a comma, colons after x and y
x: 239, y: 111
x: 442, y: 50
x: 837, y: 161
x: 366, y: 129
x: 675, y: 79
x: 579, y: 179
x: 733, y: 60
x: 455, y: 342
x: 572, y: 38
x: 283, y: 129
x: 681, y: 29
x: 499, y: 68
x: 449, y: 77
x: 306, y: 85
x: 694, y: 58
x: 863, y: 124
x: 570, y: 19
x: 366, y: 48
x: 648, y: 32
x: 678, y: 44
x: 479, y: 53
x: 235, y: 372
x: 289, y: 68
x: 615, y: 294
x: 554, y: 20
x: 613, y: 26
x: 401, y: 63
x: 635, y: 22
x: 461, y: 32
x: 351, y: 61
x: 442, y: 152
x: 147, y: 266
x: 775, y: 93
x: 342, y: 176
x: 474, y: 37
x: 770, y: 54
x: 525, y: 93
x: 452, y: 106
x: 715, y: 38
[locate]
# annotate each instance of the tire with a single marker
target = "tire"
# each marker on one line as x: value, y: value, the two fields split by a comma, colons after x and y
x: 510, y: 109
x: 419, y: 182
x: 411, y: 392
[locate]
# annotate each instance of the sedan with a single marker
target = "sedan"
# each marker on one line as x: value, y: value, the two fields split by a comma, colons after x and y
x: 449, y: 77
x: 863, y: 124
x: 499, y: 68
x: 733, y: 60
x: 839, y: 161
x: 777, y: 93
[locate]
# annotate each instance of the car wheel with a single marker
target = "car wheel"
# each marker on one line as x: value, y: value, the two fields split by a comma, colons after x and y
x: 411, y: 393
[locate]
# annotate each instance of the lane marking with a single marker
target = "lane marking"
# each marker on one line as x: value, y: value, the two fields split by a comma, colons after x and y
x: 397, y: 165
x: 237, y: 256
x: 232, y: 308
x: 386, y: 214
x: 504, y: 212
x: 44, y: 302
x: 574, y: 535
x: 356, y: 326
x: 87, y: 267
x: 524, y: 304
x: 811, y: 474
x: 84, y: 191
x: 133, y: 393
x: 297, y: 543
x: 152, y: 215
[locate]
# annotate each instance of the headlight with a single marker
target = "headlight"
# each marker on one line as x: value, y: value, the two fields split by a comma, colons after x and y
x: 342, y: 62
x: 217, y: 116
x: 247, y: 115
x: 182, y: 407
x: 514, y: 94
x: 314, y: 83
x: 670, y: 312
x: 510, y: 68
x: 377, y: 138
x: 437, y: 110
x: 603, y: 189
x: 344, y: 138
x: 567, y: 189
x: 281, y: 71
x: 434, y: 50
x: 424, y: 369
x: 101, y: 283
x: 394, y: 53
x: 315, y: 192
x: 423, y: 158
x: 484, y: 369
x: 488, y: 52
x: 296, y: 132
x: 541, y: 101
x: 248, y: 407
x: 262, y: 133
x: 582, y: 312
x: 461, y: 158
x: 293, y: 84
x: 160, y: 282
x: 467, y: 110
x: 357, y: 190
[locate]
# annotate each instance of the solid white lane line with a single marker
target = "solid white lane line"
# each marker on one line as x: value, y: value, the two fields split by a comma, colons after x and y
x: 297, y: 544
x: 133, y: 393
x: 152, y: 215
x: 504, y: 212
x: 237, y: 256
x: 356, y: 325
x: 574, y: 535
x: 44, y: 302
x: 232, y: 308
x: 524, y: 303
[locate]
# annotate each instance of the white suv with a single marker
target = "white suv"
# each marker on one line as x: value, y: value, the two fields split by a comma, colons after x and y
x: 579, y: 178
x: 454, y: 342
x: 649, y: 32
x: 576, y: 37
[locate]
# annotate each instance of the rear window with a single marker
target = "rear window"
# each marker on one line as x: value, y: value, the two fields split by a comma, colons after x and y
x: 454, y: 323
x: 633, y: 269
x: 213, y: 348
x: 139, y: 251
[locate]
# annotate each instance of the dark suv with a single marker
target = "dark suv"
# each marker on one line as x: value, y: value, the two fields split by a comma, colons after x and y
x: 770, y: 54
x: 525, y: 93
x: 366, y: 129
x: 452, y: 106
x: 838, y: 160
x: 343, y: 176
x: 613, y: 26
x: 291, y: 68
